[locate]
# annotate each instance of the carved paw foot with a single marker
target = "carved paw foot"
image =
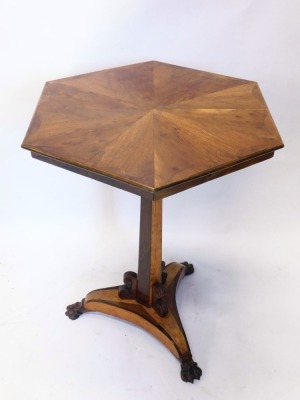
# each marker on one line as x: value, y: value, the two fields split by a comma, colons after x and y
x: 75, y: 310
x: 190, y: 370
x: 189, y: 268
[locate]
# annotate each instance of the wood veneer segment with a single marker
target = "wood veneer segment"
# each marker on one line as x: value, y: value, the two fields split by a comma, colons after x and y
x: 120, y: 184
x: 153, y: 194
x: 181, y: 186
x: 150, y: 249
x: 152, y: 125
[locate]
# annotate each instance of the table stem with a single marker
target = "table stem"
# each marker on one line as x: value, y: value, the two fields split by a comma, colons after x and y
x: 150, y: 249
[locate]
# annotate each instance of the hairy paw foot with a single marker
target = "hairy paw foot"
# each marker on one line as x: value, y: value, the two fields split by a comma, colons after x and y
x: 190, y: 371
x: 75, y: 310
x: 189, y: 268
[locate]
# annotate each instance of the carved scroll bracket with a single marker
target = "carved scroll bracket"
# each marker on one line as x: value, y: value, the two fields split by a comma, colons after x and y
x: 160, y: 304
x: 128, y: 290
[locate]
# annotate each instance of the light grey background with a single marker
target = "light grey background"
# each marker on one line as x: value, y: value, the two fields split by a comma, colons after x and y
x: 62, y: 235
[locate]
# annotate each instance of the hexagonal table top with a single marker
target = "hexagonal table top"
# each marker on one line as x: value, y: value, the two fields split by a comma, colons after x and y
x: 152, y: 126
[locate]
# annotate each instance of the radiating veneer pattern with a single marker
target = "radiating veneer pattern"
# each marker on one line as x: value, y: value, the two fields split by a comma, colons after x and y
x: 152, y: 125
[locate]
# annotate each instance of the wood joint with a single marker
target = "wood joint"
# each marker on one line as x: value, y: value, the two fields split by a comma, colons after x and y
x: 159, y: 295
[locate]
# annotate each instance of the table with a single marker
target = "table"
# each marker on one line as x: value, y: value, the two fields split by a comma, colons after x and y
x: 152, y: 129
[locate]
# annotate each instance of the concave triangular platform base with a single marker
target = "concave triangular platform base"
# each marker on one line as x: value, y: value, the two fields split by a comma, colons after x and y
x: 168, y: 329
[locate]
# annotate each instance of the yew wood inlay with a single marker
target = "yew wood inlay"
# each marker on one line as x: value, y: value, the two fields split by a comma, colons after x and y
x: 166, y: 328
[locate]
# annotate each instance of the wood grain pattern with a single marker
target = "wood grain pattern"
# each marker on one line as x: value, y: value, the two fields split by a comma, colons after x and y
x: 155, y: 194
x: 167, y: 329
x: 152, y: 125
x: 150, y: 249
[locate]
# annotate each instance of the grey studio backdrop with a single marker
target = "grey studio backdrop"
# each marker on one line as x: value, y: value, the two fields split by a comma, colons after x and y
x: 62, y: 235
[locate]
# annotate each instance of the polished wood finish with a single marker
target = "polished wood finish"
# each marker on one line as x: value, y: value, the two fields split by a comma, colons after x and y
x: 152, y: 129
x: 167, y: 329
x: 156, y: 194
x: 150, y: 249
x: 152, y: 126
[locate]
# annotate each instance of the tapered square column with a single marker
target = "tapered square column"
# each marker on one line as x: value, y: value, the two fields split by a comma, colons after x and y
x: 150, y: 250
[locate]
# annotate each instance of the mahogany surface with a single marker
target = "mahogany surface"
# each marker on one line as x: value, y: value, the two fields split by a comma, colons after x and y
x: 153, y: 126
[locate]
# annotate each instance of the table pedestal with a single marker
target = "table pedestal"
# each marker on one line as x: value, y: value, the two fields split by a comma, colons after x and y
x: 148, y: 298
